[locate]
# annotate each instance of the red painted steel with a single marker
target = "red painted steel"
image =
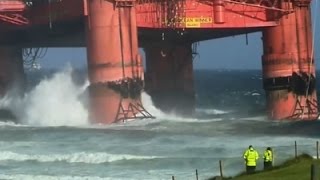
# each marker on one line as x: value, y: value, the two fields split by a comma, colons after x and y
x: 167, y: 13
x: 112, y: 49
x: 170, y: 77
x: 11, y: 70
x: 203, y: 14
x: 14, y: 19
x: 85, y: 7
x: 12, y: 6
x: 113, y: 58
x: 219, y: 11
x: 288, y: 51
x: 12, y: 12
x: 56, y: 11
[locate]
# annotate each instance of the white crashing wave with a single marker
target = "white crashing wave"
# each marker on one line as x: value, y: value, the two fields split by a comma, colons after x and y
x: 53, y: 102
x: 10, y: 123
x: 80, y: 157
x: 46, y: 177
x: 148, y: 104
x: 56, y: 101
x: 212, y: 111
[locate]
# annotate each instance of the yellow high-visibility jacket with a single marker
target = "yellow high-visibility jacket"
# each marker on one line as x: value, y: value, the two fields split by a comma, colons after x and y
x: 251, y: 157
x: 268, y: 156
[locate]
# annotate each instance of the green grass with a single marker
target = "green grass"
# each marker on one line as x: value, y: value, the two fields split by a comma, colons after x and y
x: 293, y: 169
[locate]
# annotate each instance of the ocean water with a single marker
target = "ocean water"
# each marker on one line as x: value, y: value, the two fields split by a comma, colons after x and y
x: 54, y: 140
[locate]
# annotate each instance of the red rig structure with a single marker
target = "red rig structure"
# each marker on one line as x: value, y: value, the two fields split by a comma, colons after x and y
x: 168, y: 30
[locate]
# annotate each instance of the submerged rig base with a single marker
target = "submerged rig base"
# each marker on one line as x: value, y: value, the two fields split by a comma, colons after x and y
x: 114, y: 64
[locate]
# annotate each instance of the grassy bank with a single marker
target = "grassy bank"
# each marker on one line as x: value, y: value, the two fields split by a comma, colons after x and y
x: 293, y: 169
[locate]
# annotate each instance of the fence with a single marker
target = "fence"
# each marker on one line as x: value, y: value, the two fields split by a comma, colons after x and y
x: 281, y: 154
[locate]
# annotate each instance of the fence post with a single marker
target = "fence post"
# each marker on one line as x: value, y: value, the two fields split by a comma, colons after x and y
x: 314, y: 172
x: 220, y: 166
x: 295, y: 149
x: 197, y: 174
x: 317, y: 149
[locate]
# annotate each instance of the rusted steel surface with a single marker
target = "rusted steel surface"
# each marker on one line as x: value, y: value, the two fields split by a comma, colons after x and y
x: 288, y: 67
x: 45, y: 13
x: 167, y: 29
x: 170, y: 77
x: 205, y: 14
x: 113, y: 61
x: 160, y: 13
x: 12, y: 12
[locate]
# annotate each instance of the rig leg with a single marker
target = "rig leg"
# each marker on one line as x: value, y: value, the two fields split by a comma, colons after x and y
x: 288, y: 66
x: 114, y: 65
x: 170, y: 77
x: 12, y: 76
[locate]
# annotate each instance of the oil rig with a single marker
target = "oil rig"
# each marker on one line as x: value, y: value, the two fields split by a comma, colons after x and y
x: 168, y: 31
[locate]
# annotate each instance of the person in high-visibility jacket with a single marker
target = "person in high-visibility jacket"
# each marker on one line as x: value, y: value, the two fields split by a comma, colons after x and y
x: 267, y: 158
x: 251, y: 156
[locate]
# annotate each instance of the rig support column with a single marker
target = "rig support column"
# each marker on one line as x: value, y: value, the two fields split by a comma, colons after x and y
x: 114, y: 64
x: 288, y: 65
x: 12, y: 76
x: 170, y: 77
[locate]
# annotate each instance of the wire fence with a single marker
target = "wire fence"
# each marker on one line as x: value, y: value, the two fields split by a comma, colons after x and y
x: 231, y: 166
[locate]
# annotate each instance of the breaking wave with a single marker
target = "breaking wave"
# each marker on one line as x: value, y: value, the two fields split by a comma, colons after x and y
x: 79, y: 157
x: 54, y: 101
x: 42, y: 177
x: 59, y: 101
x: 211, y: 111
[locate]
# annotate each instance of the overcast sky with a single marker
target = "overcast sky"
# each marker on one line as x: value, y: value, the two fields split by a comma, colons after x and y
x: 226, y: 53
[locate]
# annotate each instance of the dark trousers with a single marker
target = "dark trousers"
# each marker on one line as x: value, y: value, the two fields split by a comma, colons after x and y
x: 267, y: 165
x: 250, y: 169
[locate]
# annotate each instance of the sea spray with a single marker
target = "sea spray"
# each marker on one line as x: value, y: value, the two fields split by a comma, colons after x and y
x: 58, y: 101
x: 148, y: 104
x: 172, y: 116
x: 76, y: 157
x: 53, y: 102
x: 61, y: 101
